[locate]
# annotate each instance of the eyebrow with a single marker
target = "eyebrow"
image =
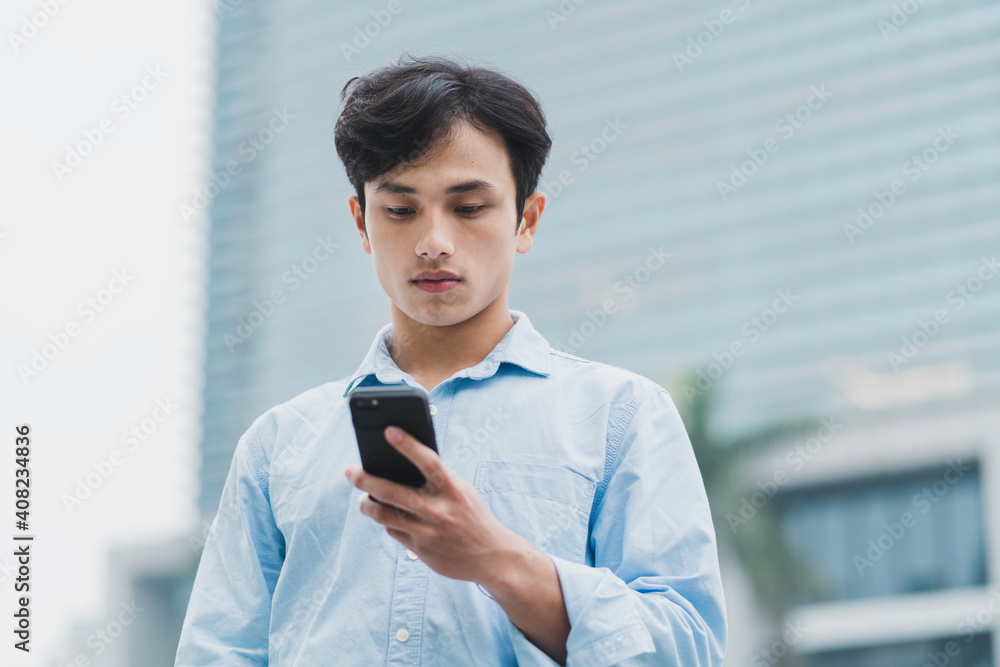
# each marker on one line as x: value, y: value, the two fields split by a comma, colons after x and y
x: 392, y: 187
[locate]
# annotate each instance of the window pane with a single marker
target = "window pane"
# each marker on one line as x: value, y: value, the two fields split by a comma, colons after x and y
x: 966, y: 651
x: 888, y: 536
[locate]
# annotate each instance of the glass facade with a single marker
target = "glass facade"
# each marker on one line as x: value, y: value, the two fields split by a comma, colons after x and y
x: 966, y: 651
x: 881, y: 537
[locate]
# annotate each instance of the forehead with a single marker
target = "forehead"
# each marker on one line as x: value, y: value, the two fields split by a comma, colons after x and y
x: 468, y: 160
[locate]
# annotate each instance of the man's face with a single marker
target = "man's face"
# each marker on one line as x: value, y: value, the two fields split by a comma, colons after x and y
x: 454, y: 212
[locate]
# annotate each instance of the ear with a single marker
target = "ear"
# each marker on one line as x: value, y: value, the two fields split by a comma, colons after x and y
x: 359, y: 221
x: 533, y: 207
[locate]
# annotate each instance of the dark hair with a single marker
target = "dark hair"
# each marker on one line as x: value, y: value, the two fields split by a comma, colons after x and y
x: 402, y: 112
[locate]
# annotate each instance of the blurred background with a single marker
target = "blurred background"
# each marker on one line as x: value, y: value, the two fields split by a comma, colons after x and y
x: 825, y: 178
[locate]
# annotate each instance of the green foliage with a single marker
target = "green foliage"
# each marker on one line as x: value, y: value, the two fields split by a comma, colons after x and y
x: 773, y: 569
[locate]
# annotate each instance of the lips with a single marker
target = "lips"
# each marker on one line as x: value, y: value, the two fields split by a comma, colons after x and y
x: 436, y: 275
x: 436, y: 281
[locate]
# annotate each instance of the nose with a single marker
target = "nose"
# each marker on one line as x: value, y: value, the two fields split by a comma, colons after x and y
x: 435, y: 235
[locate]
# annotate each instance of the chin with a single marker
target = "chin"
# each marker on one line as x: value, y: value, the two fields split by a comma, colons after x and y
x: 437, y: 314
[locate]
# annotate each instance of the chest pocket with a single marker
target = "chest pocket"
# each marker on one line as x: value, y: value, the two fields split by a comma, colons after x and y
x: 545, y: 504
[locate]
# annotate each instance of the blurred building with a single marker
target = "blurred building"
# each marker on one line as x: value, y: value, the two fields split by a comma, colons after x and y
x: 824, y: 178
x: 889, y: 526
x: 148, y: 592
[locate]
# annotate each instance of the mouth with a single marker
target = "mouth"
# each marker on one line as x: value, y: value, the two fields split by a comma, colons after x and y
x: 436, y: 285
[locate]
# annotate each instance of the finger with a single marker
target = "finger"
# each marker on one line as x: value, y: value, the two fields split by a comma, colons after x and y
x: 387, y: 515
x: 401, y: 536
x: 423, y: 457
x: 389, y: 492
x: 398, y: 534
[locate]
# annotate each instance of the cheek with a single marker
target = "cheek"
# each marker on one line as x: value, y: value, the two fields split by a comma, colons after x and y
x: 385, y: 256
x: 496, y: 249
x: 501, y: 255
x: 385, y: 273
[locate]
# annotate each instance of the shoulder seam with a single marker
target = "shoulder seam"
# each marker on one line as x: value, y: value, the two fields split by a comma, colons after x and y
x: 259, y: 467
x: 614, y: 445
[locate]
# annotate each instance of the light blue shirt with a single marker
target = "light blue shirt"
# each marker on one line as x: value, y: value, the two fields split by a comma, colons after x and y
x: 589, y: 462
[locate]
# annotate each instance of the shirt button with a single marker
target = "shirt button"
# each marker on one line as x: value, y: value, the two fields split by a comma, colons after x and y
x: 411, y: 555
x: 433, y: 409
x: 402, y: 634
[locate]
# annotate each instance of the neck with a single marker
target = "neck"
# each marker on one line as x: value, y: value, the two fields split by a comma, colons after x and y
x: 432, y: 351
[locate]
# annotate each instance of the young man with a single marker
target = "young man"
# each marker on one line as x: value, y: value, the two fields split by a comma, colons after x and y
x: 564, y: 520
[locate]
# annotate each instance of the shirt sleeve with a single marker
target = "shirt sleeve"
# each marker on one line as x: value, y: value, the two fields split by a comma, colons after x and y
x: 654, y: 595
x: 229, y: 612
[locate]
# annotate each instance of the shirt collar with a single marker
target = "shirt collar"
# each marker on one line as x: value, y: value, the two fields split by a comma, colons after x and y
x: 521, y: 345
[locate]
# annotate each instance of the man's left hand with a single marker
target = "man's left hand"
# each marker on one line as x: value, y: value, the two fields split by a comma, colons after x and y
x: 445, y: 522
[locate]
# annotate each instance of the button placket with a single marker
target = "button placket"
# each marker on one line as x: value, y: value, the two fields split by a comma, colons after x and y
x: 438, y: 409
x: 406, y: 611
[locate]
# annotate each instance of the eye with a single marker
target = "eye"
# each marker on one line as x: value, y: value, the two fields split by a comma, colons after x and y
x: 403, y: 211
x: 393, y: 212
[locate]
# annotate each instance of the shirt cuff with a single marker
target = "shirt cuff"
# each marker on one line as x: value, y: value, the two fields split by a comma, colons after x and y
x: 527, y: 654
x: 605, y: 617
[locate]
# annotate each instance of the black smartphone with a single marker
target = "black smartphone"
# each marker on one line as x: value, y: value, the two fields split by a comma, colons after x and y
x: 374, y: 408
